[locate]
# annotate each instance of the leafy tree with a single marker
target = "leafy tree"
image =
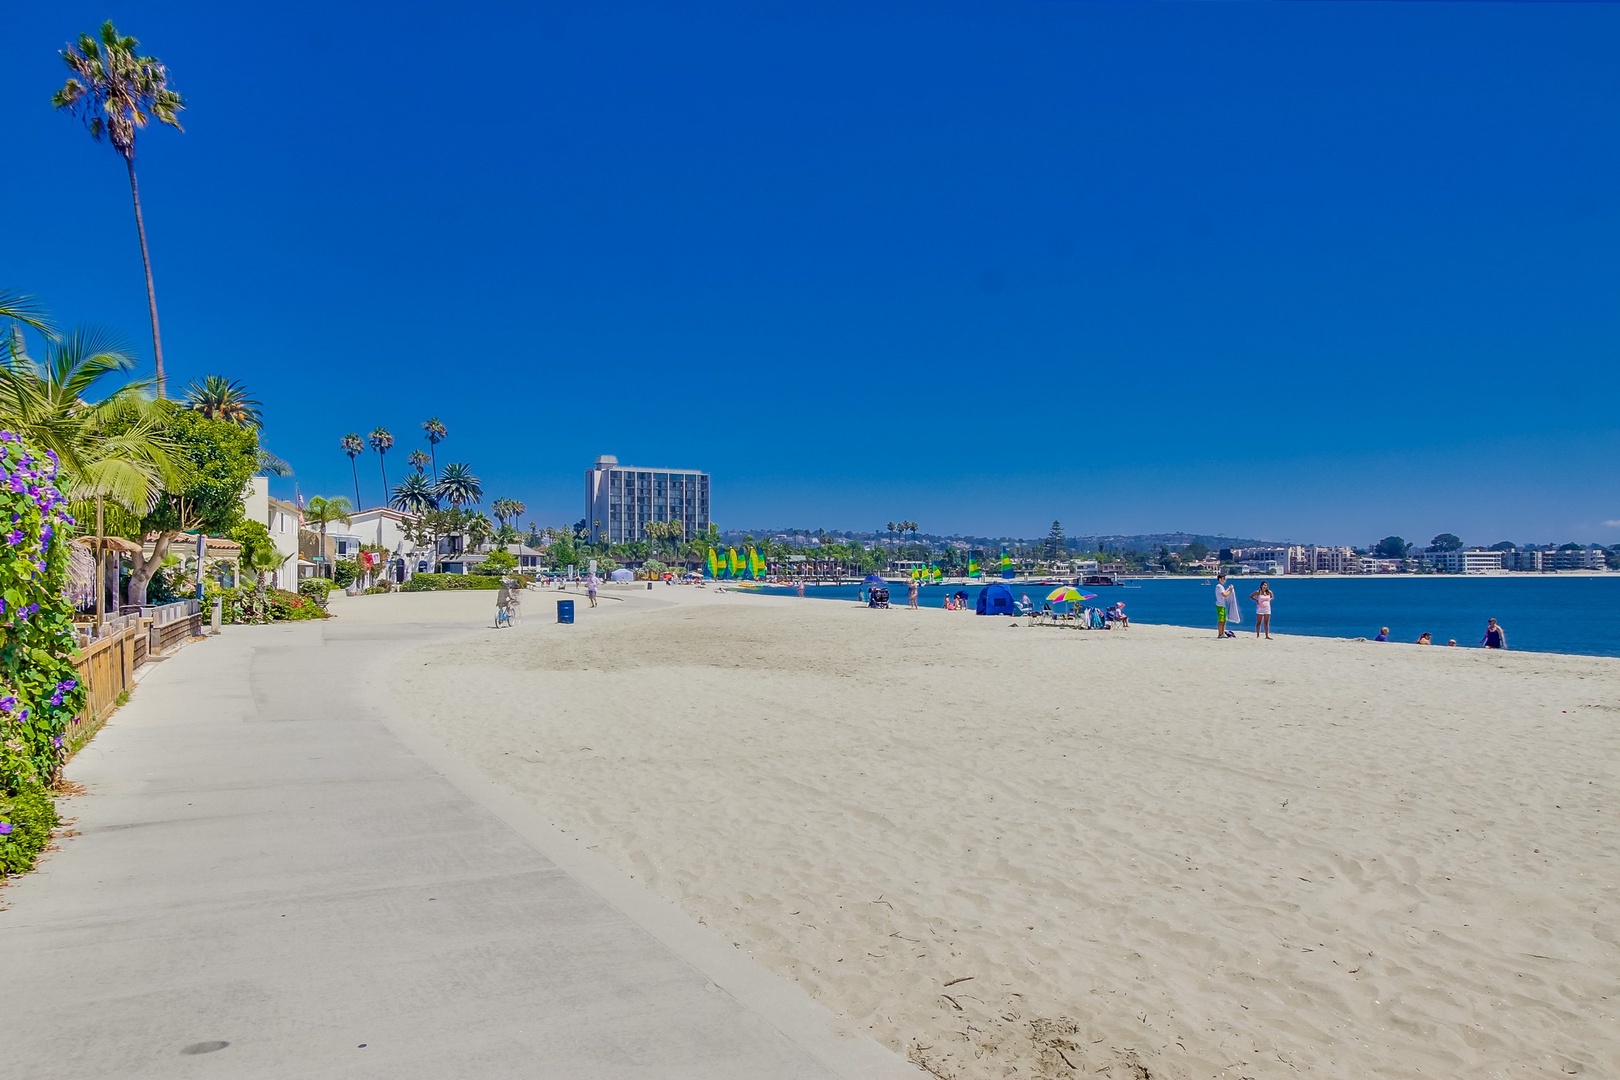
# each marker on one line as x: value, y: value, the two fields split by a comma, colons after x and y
x: 213, y: 459
x: 1391, y: 547
x: 1503, y: 545
x: 1571, y: 547
x: 116, y: 92
x: 1054, y: 541
x: 1195, y: 552
x: 562, y: 552
x: 497, y: 563
x: 219, y: 398
x: 322, y: 512
x: 1446, y: 542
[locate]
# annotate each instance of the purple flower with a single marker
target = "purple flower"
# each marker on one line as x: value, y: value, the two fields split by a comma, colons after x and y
x: 68, y: 685
x: 56, y: 699
x: 57, y: 742
x: 14, y: 537
x: 5, y: 828
x: 8, y: 703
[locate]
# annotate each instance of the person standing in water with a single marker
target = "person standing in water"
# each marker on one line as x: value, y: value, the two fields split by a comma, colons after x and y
x: 1225, y: 605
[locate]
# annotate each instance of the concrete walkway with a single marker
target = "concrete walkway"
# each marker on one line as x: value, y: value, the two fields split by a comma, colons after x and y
x: 274, y: 875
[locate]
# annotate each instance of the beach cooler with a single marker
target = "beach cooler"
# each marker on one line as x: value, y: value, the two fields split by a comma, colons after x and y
x: 565, y: 611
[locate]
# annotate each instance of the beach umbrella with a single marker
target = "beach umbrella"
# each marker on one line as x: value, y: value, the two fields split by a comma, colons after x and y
x: 1069, y: 594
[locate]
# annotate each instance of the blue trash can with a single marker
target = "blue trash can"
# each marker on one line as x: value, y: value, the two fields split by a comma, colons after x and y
x: 565, y: 611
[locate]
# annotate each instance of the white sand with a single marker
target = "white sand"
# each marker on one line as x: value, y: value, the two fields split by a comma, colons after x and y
x: 1040, y: 852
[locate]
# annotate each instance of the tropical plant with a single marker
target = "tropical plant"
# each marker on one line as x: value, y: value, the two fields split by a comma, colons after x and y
x: 272, y: 465
x: 534, y: 538
x: 479, y: 530
x: 436, y: 433
x: 116, y: 92
x: 507, y: 509
x: 258, y: 557
x: 354, y: 447
x: 458, y: 486
x: 382, y: 442
x: 213, y: 461
x: 506, y: 533
x: 219, y: 398
x: 322, y: 512
x: 414, y: 495
x: 418, y: 460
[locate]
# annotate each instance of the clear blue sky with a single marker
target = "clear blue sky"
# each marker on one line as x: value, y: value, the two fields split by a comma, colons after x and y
x: 1316, y: 271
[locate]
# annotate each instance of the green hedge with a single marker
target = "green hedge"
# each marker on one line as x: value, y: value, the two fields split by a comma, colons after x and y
x: 438, y: 582
x: 26, y: 821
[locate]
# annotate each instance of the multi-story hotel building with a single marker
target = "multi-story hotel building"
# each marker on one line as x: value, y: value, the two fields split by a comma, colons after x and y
x: 620, y: 501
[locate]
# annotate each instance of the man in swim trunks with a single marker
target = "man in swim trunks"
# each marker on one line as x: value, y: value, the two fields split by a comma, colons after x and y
x: 1225, y: 601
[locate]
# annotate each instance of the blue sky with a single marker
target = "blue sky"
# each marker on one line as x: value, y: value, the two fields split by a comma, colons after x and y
x: 1309, y: 271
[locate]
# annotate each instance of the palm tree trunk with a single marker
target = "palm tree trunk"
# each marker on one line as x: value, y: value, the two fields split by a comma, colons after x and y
x: 434, y: 458
x: 151, y: 290
x: 355, y: 469
x: 383, y: 464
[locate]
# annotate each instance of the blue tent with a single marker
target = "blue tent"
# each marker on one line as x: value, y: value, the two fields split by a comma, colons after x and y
x: 873, y: 579
x: 996, y: 600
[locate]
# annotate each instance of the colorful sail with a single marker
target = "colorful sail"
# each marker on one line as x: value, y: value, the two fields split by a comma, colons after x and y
x: 1007, y: 566
x: 973, y: 567
x: 714, y: 564
x: 733, y: 564
x: 935, y: 572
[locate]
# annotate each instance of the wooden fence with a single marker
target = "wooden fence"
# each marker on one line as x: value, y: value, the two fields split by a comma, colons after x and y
x: 109, y: 657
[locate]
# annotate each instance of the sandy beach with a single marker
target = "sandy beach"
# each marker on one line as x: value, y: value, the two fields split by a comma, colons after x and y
x: 1017, y: 851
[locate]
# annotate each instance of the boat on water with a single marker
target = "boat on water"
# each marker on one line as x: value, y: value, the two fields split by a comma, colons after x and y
x: 1102, y: 580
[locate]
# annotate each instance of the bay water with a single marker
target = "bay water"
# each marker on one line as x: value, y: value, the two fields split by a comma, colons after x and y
x: 1541, y: 613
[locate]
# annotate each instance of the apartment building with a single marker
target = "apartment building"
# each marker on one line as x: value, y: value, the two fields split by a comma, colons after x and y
x: 621, y: 500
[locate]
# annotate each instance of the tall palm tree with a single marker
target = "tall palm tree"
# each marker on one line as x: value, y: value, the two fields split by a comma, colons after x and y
x: 436, y: 434
x: 382, y: 442
x: 219, y: 398
x: 478, y: 528
x: 414, y: 495
x: 116, y: 93
x: 458, y: 486
x: 418, y: 460
x: 322, y: 512
x: 19, y: 308
x: 354, y: 447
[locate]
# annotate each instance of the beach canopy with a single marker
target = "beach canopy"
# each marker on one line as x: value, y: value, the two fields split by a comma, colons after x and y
x: 996, y: 600
x: 621, y: 574
x: 873, y: 579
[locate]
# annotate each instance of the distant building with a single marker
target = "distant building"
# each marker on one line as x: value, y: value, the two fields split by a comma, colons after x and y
x: 621, y: 501
x: 1474, y: 561
x: 1580, y: 559
x: 1528, y: 562
x: 1328, y: 560
x: 1270, y: 560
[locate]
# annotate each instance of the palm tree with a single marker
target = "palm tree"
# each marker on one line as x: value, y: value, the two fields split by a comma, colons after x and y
x: 115, y: 92
x: 478, y: 527
x: 381, y: 441
x: 323, y: 512
x: 414, y: 495
x: 354, y: 448
x: 534, y: 539
x: 890, y: 527
x: 417, y: 460
x: 271, y: 465
x: 112, y: 450
x: 458, y: 486
x: 436, y: 434
x: 219, y: 398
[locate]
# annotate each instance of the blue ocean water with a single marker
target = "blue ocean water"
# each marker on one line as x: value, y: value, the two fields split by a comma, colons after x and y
x: 1540, y: 613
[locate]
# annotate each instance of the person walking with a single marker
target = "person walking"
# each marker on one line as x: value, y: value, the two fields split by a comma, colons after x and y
x: 1262, y: 609
x: 1225, y: 606
x: 591, y: 581
x: 911, y: 596
x: 1495, y: 637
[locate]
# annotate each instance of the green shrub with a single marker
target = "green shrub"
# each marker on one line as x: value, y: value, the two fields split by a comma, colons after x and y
x: 26, y: 821
x: 497, y: 563
x: 291, y: 607
x: 379, y: 590
x: 316, y: 589
x: 343, y: 573
x: 444, y: 582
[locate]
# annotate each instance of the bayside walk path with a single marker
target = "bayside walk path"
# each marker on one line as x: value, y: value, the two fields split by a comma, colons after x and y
x: 276, y: 875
